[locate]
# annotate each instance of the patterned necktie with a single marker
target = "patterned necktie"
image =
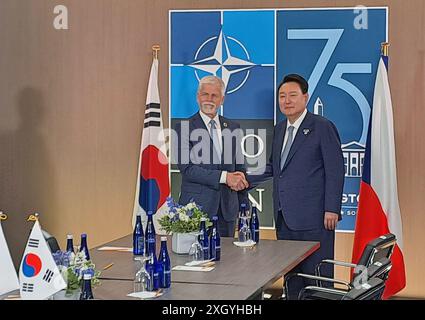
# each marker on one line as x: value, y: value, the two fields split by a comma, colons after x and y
x: 288, y: 145
x: 214, y: 137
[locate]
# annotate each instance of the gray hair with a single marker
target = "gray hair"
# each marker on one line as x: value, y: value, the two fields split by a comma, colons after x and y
x: 213, y: 80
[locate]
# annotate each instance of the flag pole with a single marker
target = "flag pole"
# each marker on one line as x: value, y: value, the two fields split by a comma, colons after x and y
x: 33, y: 217
x: 155, y: 49
x: 385, y: 48
x: 3, y: 216
x: 384, y: 53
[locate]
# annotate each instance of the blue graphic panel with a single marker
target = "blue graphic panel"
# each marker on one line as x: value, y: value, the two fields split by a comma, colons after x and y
x: 350, y: 202
x: 186, y: 34
x: 255, y: 99
x: 239, y: 48
x: 334, y: 50
x: 255, y: 29
x: 338, y: 55
x: 339, y: 61
x: 183, y: 85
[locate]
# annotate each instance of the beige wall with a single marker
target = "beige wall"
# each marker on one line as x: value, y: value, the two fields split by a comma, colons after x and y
x: 71, y: 108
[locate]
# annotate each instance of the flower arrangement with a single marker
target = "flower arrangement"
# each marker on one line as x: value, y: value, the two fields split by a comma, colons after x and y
x: 73, y: 266
x: 182, y: 219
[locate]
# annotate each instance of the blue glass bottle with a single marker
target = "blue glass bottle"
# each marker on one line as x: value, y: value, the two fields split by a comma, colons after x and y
x: 242, y: 213
x: 153, y: 270
x: 215, y: 242
x: 150, y: 235
x: 138, y: 237
x: 69, y: 243
x: 150, y: 214
x: 83, y: 246
x: 203, y: 238
x: 255, y: 224
x: 86, y: 291
x: 164, y: 264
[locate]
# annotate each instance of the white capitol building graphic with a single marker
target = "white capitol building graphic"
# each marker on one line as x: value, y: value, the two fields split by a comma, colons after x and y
x: 353, y: 154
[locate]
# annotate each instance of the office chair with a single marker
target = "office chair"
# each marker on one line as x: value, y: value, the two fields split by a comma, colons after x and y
x: 379, y: 269
x: 380, y: 247
x: 370, y: 290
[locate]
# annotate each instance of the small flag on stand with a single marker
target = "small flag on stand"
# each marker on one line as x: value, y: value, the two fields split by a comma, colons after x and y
x: 39, y: 275
x: 9, y: 279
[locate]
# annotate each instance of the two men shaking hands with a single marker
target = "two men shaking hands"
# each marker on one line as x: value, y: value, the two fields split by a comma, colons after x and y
x: 236, y: 181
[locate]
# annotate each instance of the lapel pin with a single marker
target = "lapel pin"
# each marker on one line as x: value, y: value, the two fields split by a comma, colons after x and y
x: 225, y: 124
x: 306, y: 131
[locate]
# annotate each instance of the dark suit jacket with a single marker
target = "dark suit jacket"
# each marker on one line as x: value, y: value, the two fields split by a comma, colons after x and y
x: 312, y: 179
x: 201, y: 181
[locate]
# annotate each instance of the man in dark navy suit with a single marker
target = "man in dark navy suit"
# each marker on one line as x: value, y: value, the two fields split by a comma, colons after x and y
x: 307, y: 168
x: 210, y: 158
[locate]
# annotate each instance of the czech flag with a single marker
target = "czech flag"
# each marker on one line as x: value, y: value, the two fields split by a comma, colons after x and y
x: 153, y: 183
x: 378, y: 211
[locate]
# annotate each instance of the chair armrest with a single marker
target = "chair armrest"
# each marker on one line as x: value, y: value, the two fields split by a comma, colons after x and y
x: 339, y: 263
x: 334, y: 262
x: 318, y: 279
x: 342, y: 293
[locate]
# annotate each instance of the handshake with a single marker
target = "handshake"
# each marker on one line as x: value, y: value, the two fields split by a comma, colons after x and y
x: 236, y: 181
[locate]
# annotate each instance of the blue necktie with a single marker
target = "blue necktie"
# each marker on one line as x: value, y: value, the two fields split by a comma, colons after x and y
x: 288, y: 145
x: 214, y: 137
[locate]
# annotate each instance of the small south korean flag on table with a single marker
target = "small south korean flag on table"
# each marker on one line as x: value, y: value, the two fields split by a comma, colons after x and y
x: 39, y: 275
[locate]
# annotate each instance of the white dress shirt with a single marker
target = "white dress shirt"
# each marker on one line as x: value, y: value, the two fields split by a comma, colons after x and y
x: 296, y: 125
x: 207, y: 123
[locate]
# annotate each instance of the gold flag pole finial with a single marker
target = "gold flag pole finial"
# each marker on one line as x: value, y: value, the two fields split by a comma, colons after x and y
x: 3, y: 216
x: 33, y: 217
x: 155, y: 49
x: 385, y: 48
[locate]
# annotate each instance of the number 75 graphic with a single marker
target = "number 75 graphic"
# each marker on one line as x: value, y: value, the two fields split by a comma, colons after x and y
x: 333, y: 37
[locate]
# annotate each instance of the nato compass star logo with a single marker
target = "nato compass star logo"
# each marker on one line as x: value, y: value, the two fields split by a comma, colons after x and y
x: 222, y: 63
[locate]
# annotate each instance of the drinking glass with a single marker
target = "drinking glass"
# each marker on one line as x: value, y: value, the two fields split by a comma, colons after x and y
x: 196, y: 251
x: 245, y: 232
x: 142, y: 280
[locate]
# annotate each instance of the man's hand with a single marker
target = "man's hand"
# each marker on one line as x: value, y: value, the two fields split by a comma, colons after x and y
x: 331, y: 219
x: 236, y: 181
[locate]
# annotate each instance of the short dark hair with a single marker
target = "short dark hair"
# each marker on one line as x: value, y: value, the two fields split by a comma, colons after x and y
x: 293, y: 77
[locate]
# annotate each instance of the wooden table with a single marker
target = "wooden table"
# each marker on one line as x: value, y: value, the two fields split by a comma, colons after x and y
x: 118, y: 290
x: 256, y: 268
x: 241, y: 274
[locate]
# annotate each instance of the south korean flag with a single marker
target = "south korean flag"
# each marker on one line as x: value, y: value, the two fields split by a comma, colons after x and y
x: 39, y: 275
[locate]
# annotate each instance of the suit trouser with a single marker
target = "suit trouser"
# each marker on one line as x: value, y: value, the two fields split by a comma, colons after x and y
x: 225, y: 228
x: 326, y: 251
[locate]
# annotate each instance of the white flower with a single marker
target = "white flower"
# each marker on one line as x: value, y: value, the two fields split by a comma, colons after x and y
x: 171, y: 215
x: 190, y: 206
x: 184, y: 217
x: 79, y: 258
